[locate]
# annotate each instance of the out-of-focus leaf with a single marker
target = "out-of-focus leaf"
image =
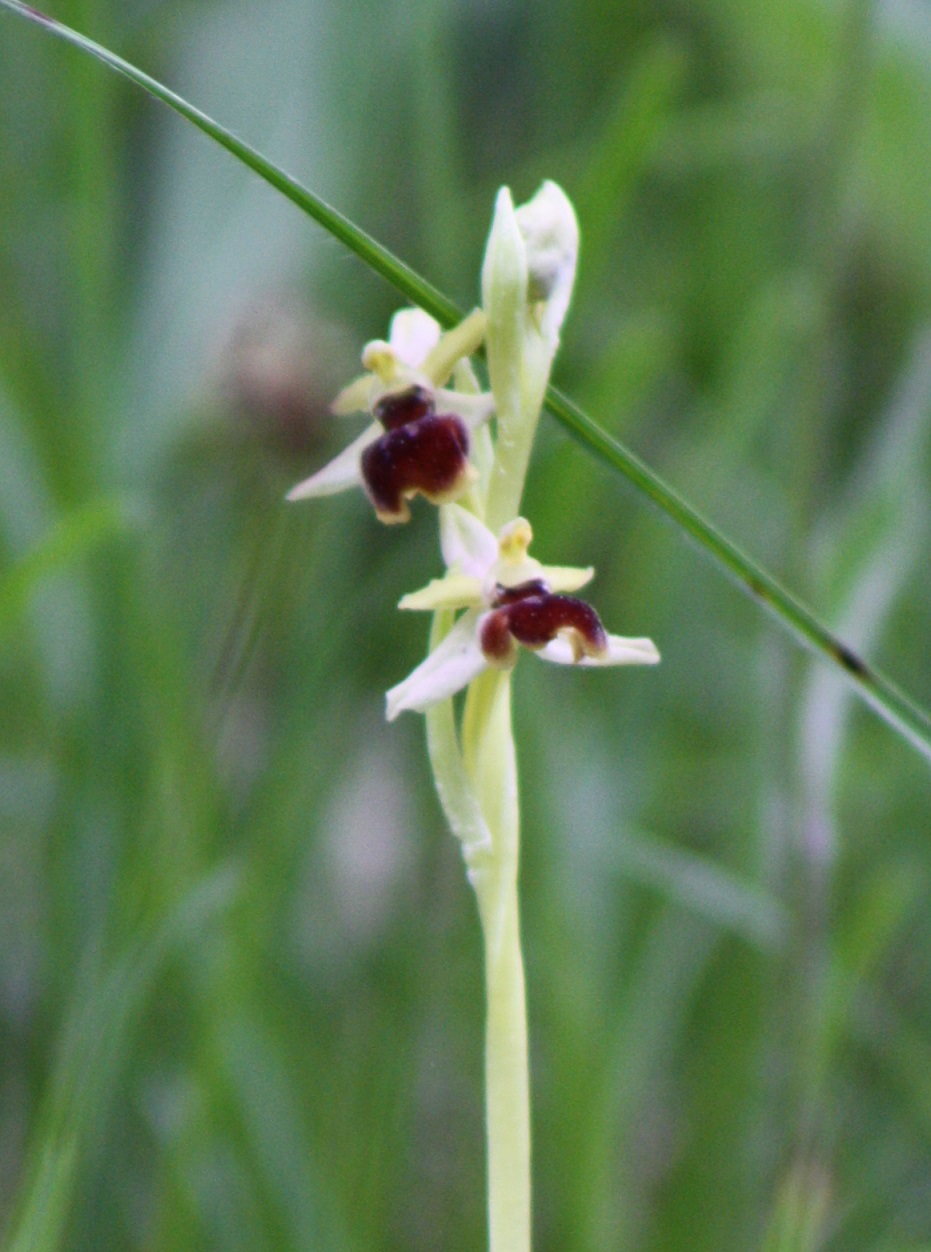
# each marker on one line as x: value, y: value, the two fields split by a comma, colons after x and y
x: 868, y: 550
x: 74, y: 537
x: 801, y: 1211
x: 96, y: 1034
x: 617, y: 156
x: 719, y: 896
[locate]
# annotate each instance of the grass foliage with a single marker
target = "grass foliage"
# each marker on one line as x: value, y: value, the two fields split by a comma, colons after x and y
x: 240, y: 999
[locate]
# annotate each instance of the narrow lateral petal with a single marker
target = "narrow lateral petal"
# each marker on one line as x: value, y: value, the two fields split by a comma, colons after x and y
x: 567, y: 578
x: 457, y: 343
x: 354, y: 397
x: 620, y: 651
x: 447, y: 669
x: 343, y: 472
x: 472, y: 409
x: 455, y: 591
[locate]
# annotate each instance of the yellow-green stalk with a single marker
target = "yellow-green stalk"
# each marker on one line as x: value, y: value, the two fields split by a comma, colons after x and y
x: 526, y: 284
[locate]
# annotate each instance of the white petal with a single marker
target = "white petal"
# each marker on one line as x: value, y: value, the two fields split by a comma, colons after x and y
x: 455, y: 591
x: 566, y: 578
x: 473, y: 409
x: 468, y: 545
x: 621, y: 651
x: 343, y: 472
x: 447, y: 669
x: 413, y: 335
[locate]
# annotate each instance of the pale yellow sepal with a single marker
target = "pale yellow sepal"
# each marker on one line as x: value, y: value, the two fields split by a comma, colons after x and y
x: 454, y: 591
x: 354, y: 397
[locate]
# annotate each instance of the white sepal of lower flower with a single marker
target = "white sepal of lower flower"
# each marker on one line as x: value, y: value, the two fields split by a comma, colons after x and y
x: 416, y: 353
x: 483, y: 573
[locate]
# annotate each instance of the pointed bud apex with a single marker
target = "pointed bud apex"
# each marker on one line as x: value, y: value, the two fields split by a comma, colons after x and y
x: 504, y: 299
x: 527, y: 280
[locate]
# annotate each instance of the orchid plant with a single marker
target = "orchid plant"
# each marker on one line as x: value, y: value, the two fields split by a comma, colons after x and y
x: 431, y: 436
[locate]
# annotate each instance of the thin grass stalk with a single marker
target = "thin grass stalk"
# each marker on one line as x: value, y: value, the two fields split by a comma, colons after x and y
x: 907, y: 718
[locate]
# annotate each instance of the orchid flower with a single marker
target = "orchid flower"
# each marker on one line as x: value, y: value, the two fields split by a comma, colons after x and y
x: 420, y: 440
x: 509, y: 599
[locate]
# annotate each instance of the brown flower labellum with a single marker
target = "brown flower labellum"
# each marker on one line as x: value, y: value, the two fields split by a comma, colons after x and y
x: 421, y: 452
x: 533, y: 615
x: 404, y: 407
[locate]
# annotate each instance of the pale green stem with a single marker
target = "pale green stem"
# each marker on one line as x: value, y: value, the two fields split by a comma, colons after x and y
x: 507, y: 1096
x: 479, y: 798
x: 490, y: 760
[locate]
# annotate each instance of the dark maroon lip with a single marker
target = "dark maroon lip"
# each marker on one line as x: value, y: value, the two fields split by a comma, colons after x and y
x: 421, y: 452
x: 429, y: 456
x: 510, y: 595
x: 404, y: 407
x: 532, y: 615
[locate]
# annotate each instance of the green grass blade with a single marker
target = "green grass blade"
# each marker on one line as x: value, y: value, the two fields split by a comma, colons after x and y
x: 712, y: 892
x: 76, y: 535
x: 46, y: 1211
x: 910, y: 720
x: 880, y: 693
x: 91, y: 1053
x: 390, y: 267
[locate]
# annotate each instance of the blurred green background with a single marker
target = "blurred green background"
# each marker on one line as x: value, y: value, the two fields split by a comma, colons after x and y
x: 240, y: 970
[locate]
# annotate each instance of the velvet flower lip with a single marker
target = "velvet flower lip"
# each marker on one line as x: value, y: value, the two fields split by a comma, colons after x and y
x: 420, y: 440
x: 510, y: 601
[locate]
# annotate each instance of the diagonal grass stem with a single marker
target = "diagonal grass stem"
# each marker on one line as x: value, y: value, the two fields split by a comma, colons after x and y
x: 902, y: 713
